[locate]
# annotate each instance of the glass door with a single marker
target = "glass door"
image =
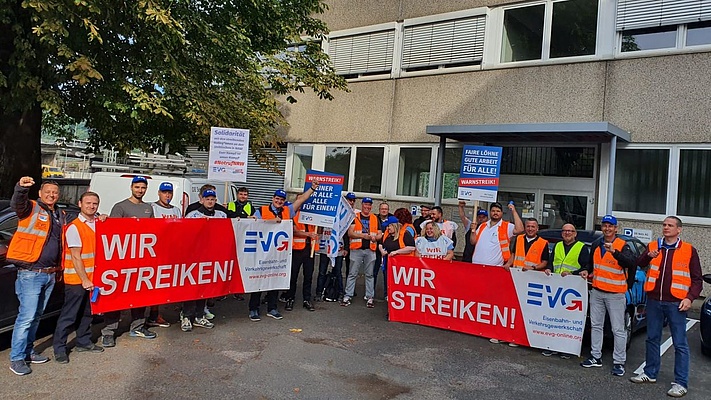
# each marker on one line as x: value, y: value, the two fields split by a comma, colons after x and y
x: 560, y: 209
x: 525, y: 203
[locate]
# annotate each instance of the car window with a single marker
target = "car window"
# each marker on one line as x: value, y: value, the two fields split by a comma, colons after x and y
x: 8, y: 228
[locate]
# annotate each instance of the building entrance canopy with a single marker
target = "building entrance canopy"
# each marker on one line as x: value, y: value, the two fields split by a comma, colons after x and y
x: 557, y: 132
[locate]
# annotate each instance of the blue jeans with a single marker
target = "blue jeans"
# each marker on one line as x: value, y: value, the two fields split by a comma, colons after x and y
x: 33, y: 290
x: 656, y: 311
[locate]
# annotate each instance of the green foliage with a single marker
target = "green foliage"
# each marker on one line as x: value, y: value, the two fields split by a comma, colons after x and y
x: 143, y: 73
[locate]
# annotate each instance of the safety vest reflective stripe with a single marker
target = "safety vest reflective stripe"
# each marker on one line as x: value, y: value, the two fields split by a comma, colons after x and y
x: 34, y: 217
x: 88, y: 249
x: 607, y: 273
x: 680, y: 276
x: 531, y: 258
x: 31, y: 235
x: 566, y: 262
x: 356, y: 243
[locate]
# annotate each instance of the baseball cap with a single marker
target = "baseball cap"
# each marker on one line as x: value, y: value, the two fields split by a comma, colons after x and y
x: 497, y: 205
x: 166, y: 187
x: 350, y: 196
x: 482, y: 212
x: 367, y: 200
x: 280, y: 193
x: 208, y: 193
x: 425, y: 206
x: 139, y: 178
x: 610, y: 219
x: 390, y: 220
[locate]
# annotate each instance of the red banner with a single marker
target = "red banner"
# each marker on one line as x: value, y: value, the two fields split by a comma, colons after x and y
x: 142, y: 262
x: 527, y: 308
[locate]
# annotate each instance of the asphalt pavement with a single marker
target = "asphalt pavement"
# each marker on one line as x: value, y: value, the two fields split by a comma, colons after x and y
x: 333, y: 353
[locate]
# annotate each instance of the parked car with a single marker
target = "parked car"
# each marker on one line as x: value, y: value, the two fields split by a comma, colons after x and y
x: 8, y: 272
x: 49, y: 171
x: 705, y: 331
x: 636, y: 310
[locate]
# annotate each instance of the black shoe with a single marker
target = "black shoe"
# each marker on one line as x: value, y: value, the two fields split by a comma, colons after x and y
x: 309, y: 306
x: 283, y: 299
x: 92, y: 349
x: 108, y: 341
x: 142, y: 332
x: 210, y: 303
x: 289, y: 305
x: 61, y: 358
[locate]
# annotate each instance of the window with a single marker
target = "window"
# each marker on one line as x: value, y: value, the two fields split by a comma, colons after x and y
x: 338, y: 161
x: 368, y: 176
x: 576, y: 162
x: 550, y: 30
x: 523, y: 34
x: 649, y: 39
x: 414, y: 172
x: 450, y: 178
x: 450, y: 43
x: 303, y: 155
x: 698, y: 34
x: 363, y: 54
x: 641, y: 178
x: 574, y: 28
x: 694, y: 183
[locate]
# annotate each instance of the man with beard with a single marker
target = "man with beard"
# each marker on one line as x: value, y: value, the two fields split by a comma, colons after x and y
x: 491, y: 239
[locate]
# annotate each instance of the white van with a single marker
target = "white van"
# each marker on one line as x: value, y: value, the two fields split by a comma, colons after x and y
x: 113, y: 187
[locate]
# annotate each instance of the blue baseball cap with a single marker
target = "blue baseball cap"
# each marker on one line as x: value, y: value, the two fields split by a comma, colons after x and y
x: 139, y: 179
x: 350, y: 196
x: 367, y: 200
x: 609, y: 219
x: 209, y: 193
x: 482, y: 212
x: 280, y: 193
x: 166, y: 187
x: 390, y: 220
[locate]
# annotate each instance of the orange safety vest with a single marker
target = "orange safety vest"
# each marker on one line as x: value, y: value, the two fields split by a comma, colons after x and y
x: 405, y: 226
x: 29, y: 239
x: 266, y: 213
x: 533, y: 257
x: 401, y: 238
x: 607, y: 273
x: 356, y: 243
x: 503, y: 238
x: 681, y: 276
x: 88, y: 249
x: 300, y: 242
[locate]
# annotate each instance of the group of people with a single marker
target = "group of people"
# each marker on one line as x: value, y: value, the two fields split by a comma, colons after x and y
x: 49, y: 242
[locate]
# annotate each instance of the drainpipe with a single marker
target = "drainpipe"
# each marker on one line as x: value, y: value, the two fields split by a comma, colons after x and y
x: 611, y: 174
x: 439, y: 171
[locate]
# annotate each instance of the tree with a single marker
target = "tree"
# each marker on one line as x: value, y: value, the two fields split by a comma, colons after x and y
x: 146, y: 73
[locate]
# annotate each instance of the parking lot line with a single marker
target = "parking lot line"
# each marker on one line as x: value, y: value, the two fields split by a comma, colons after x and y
x: 667, y: 344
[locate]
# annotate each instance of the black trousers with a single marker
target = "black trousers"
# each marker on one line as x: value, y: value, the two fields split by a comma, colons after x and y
x: 76, y: 307
x: 256, y: 298
x: 299, y: 258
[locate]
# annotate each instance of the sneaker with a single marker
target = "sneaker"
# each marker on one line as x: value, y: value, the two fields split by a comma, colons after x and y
x: 548, y: 353
x: 274, y: 314
x: 142, y: 332
x: 591, y: 362
x: 309, y: 306
x: 203, y: 322
x: 208, y: 314
x: 618, y: 370
x: 386, y: 299
x: 254, y: 316
x: 108, y: 341
x: 346, y: 301
x: 19, y: 367
x: 35, y: 358
x: 186, y: 325
x: 495, y: 341
x: 91, y: 349
x: 676, y: 390
x: 512, y: 344
x: 289, y: 305
x: 564, y: 356
x: 370, y: 303
x: 642, y: 378
x: 282, y: 298
x: 365, y: 298
x: 61, y: 358
x: 158, y: 322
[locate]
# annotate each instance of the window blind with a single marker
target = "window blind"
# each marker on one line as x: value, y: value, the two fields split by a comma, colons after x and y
x: 635, y: 14
x: 456, y: 41
x: 363, y: 53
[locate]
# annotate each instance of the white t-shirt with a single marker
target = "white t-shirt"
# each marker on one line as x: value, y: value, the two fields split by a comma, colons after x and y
x: 435, y: 249
x: 72, y: 235
x: 447, y: 227
x: 161, y: 212
x: 488, y: 250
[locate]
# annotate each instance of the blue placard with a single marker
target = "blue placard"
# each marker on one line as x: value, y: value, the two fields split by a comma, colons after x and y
x: 479, y: 173
x: 321, y: 208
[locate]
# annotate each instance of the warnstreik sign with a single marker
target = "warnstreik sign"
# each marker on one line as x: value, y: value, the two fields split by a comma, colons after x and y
x: 479, y: 173
x: 527, y: 308
x: 320, y: 209
x: 143, y: 262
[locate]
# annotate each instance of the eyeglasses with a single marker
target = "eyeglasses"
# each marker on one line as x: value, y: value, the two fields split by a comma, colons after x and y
x: 568, y: 231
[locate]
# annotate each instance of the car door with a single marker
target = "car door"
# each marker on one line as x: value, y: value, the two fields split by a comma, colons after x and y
x: 8, y: 272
